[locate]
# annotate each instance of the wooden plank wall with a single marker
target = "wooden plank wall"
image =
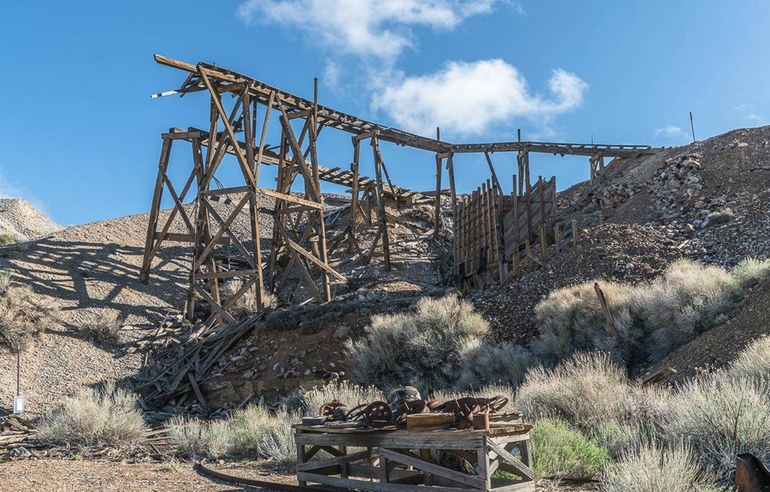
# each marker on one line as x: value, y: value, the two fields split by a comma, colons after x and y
x: 478, y: 236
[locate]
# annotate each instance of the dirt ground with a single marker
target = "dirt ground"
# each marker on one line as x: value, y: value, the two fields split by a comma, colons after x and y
x: 68, y: 475
x: 54, y: 475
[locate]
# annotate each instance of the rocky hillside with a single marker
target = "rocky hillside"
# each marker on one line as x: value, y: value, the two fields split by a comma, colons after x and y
x: 19, y: 221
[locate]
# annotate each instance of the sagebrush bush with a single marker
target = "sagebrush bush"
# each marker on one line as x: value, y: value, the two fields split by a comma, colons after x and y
x: 22, y: 314
x: 721, y: 417
x: 424, y: 348
x: 99, y: 418
x: 585, y: 391
x: 562, y: 452
x: 246, y: 305
x: 655, y: 467
x: 753, y: 362
x: 486, y: 364
x: 249, y: 432
x: 651, y: 319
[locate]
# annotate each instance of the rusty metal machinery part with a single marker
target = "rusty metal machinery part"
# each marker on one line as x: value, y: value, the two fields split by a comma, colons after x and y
x: 409, y: 408
x: 206, y: 470
x: 378, y: 414
x: 334, y: 410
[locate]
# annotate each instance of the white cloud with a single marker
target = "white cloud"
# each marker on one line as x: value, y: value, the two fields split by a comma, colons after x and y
x: 470, y: 98
x: 364, y: 28
x: 748, y: 111
x: 671, y: 132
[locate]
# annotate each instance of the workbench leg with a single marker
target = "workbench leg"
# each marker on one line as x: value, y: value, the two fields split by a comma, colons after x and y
x: 384, y: 470
x: 483, y: 459
x: 428, y: 478
x: 300, y: 460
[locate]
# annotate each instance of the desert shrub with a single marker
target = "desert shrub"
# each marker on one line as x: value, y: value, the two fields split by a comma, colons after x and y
x: 245, y: 305
x: 104, y: 330
x: 22, y: 314
x: 571, y: 320
x: 351, y: 395
x: 655, y: 467
x: 753, y: 362
x: 8, y: 238
x: 424, y: 348
x: 99, y: 418
x: 651, y: 319
x: 751, y: 271
x: 486, y: 364
x: 721, y: 418
x: 249, y: 432
x: 565, y: 453
x: 585, y: 391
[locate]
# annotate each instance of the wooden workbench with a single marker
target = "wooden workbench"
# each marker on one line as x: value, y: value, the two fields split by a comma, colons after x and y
x: 390, y: 460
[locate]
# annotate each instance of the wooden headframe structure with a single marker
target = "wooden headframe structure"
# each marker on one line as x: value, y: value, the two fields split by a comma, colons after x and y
x: 299, y: 241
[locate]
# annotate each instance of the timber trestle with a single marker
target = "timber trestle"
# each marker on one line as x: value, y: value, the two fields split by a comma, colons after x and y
x: 498, y: 459
x: 299, y: 251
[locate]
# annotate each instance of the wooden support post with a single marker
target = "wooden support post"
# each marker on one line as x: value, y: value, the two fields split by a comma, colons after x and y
x: 352, y: 243
x: 516, y: 225
x: 450, y: 167
x: 152, y: 228
x: 437, y: 205
x: 541, y: 199
x: 383, y: 223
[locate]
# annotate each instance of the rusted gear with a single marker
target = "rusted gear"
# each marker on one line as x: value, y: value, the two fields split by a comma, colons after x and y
x: 378, y: 414
x: 334, y: 410
x: 409, y: 408
x: 463, y: 410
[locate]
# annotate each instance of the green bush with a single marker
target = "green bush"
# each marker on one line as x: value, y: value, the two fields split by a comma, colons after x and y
x: 425, y: 348
x: 562, y: 452
x: 99, y: 418
x: 7, y: 238
x: 651, y: 319
x: 658, y: 468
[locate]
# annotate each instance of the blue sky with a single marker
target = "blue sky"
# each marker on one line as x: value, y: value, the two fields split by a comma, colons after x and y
x: 80, y: 134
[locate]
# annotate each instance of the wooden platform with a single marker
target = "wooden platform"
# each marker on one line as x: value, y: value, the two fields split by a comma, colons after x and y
x: 390, y: 460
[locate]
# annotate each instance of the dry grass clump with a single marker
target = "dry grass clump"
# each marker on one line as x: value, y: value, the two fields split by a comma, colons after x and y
x: 246, y: 305
x: 105, y: 330
x: 425, y: 348
x: 23, y: 314
x: 651, y: 319
x: 656, y: 467
x: 106, y: 417
x: 250, y: 432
